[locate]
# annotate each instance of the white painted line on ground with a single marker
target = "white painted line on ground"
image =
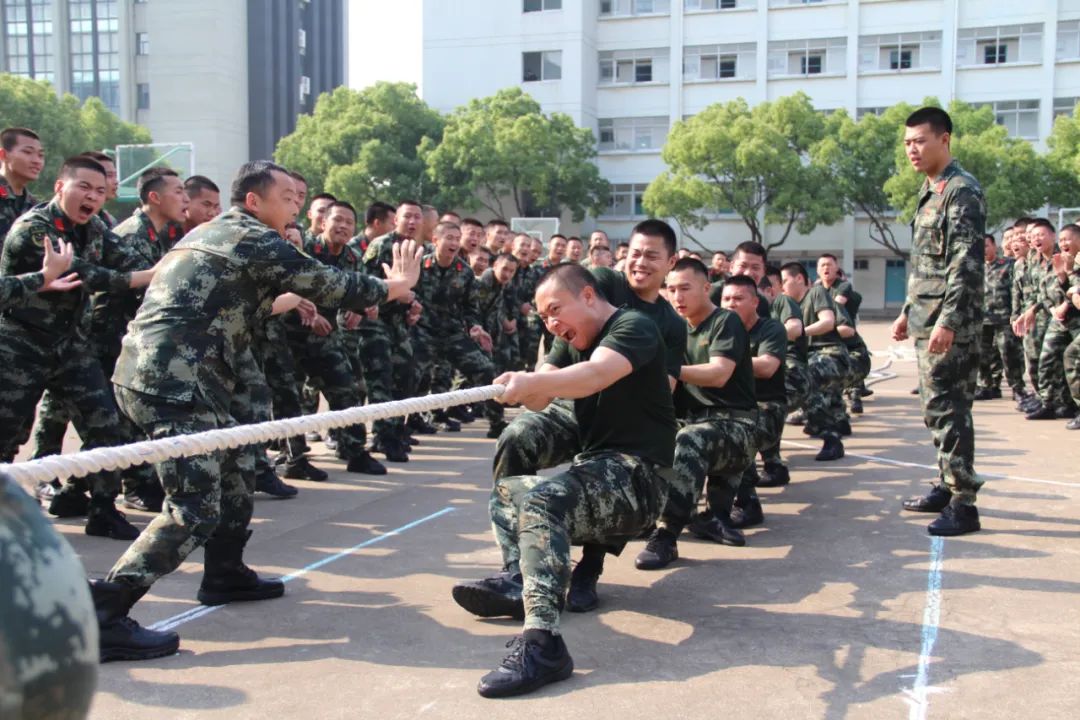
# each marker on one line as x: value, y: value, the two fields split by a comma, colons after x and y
x: 904, y: 463
x: 203, y: 610
x: 918, y: 696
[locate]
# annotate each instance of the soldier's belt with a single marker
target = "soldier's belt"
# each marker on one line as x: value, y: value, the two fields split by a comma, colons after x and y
x: 718, y: 413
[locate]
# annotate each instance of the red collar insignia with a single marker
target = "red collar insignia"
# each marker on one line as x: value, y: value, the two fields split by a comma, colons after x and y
x: 460, y: 267
x: 3, y: 192
x: 427, y: 264
x: 59, y: 222
x: 152, y: 233
x: 940, y: 187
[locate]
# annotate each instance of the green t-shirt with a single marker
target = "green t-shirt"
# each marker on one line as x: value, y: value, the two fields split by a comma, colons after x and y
x: 855, y: 343
x: 817, y: 299
x: 616, y: 290
x: 784, y: 309
x: 716, y: 294
x: 635, y: 415
x: 768, y: 337
x: 720, y: 335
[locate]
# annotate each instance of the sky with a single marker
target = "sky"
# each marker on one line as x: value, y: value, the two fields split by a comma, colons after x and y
x: 375, y: 53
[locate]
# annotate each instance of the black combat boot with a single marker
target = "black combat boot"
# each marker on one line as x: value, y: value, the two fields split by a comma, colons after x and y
x: 581, y: 596
x: 444, y: 422
x: 496, y: 596
x: 391, y: 448
x: 146, y: 498
x: 956, y: 519
x: 496, y: 428
x: 661, y: 550
x: 536, y: 658
x: 365, y: 464
x: 832, y: 449
x: 984, y: 394
x: 119, y: 636
x: 775, y: 475
x: 421, y: 426
x: 227, y: 579
x: 69, y: 501
x: 268, y: 482
x: 934, y: 501
x: 300, y: 468
x: 104, y: 520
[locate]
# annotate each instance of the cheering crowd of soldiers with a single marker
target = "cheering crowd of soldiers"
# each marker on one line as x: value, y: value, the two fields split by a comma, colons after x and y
x: 256, y: 316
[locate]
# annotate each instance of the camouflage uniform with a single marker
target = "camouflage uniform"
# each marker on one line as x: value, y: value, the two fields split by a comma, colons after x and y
x: 184, y: 358
x: 12, y: 206
x: 999, y: 348
x: 529, y: 326
x: 1036, y: 267
x: 449, y: 297
x: 1053, y: 388
x: 828, y: 365
x: 45, y: 345
x: 48, y: 630
x: 796, y: 372
x: 945, y: 289
x: 496, y: 304
x: 612, y: 490
x: 279, y: 366
x: 859, y: 354
x: 769, y: 337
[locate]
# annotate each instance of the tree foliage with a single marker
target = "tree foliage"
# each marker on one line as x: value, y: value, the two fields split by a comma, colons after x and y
x: 755, y: 162
x: 503, y: 153
x: 66, y: 128
x: 364, y: 145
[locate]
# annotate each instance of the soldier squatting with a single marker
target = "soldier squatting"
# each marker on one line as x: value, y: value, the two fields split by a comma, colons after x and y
x: 663, y: 379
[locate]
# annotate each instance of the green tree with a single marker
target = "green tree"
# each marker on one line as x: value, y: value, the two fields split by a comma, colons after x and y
x: 105, y: 130
x: 861, y: 157
x: 755, y: 162
x: 1063, y: 162
x: 363, y: 145
x: 503, y: 153
x: 1013, y: 177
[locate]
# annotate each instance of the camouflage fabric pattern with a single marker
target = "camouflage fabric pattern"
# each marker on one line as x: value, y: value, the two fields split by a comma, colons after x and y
x: 14, y: 291
x: 1001, y: 353
x: 829, y: 368
x: 720, y: 447
x: 12, y: 206
x: 997, y: 300
x: 325, y: 362
x: 1071, y: 359
x: 535, y: 441
x: 376, y: 360
x: 279, y: 366
x: 946, y: 391
x: 771, y: 430
x: 796, y: 380
x: 602, y: 497
x: 946, y: 280
x: 1053, y: 385
x: 49, y: 637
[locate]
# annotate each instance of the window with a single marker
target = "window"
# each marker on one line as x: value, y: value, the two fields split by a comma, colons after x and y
x: 95, y: 50
x: 626, y: 201
x: 541, y: 5
x: 789, y: 3
x: 142, y: 43
x: 28, y: 29
x: 802, y: 58
x: 143, y: 91
x: 1068, y: 40
x: 616, y: 8
x: 999, y: 45
x: 1064, y: 106
x: 625, y: 67
x: 537, y: 66
x: 860, y: 112
x: 720, y: 62
x: 908, y: 51
x: 860, y: 264
x: 305, y: 89
x: 1019, y: 117
x: 301, y: 41
x: 632, y: 134
x: 718, y: 4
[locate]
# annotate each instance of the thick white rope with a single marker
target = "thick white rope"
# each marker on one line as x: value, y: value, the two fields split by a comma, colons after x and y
x: 120, y: 457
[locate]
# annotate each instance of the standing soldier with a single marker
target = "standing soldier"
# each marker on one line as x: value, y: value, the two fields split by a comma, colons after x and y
x: 999, y: 348
x: 1062, y: 327
x: 204, y: 201
x: 21, y: 161
x: 943, y: 312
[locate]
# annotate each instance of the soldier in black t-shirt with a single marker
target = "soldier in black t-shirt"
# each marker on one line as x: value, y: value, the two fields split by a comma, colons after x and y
x: 611, y: 365
x: 718, y: 414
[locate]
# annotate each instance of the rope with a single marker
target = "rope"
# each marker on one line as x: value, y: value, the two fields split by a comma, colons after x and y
x: 120, y: 457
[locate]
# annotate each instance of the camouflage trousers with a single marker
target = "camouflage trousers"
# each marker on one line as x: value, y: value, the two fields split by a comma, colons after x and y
x: 829, y: 369
x: 30, y: 364
x: 946, y: 391
x: 1000, y: 353
x: 1033, y: 343
x: 325, y: 362
x: 381, y: 372
x: 1053, y: 387
x: 205, y: 495
x: 796, y: 381
x: 506, y: 352
x: 279, y: 368
x: 528, y: 335
x: 771, y: 429
x: 860, y: 368
x: 49, y: 643
x: 1072, y: 368
x: 602, y: 497
x: 466, y: 357
x: 534, y: 441
x: 719, y: 445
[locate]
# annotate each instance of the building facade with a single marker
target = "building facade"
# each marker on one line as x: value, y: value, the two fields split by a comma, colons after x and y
x: 228, y: 76
x: 628, y: 69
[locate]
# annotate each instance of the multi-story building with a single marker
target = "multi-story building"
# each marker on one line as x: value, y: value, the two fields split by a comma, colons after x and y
x: 628, y: 69
x: 228, y: 76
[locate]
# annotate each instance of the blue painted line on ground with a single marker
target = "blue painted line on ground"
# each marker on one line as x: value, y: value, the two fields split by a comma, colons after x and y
x: 920, y: 701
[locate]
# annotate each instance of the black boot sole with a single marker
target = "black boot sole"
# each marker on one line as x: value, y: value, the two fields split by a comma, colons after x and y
x: 953, y: 531
x: 487, y: 604
x: 119, y: 654
x: 223, y: 597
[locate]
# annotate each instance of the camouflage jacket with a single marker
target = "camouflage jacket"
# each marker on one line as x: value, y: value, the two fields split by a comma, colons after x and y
x: 523, y: 284
x: 997, y: 300
x: 348, y: 260
x: 191, y: 337
x: 1019, y: 287
x: 1042, y: 280
x: 380, y: 251
x: 16, y: 290
x: 103, y: 265
x: 448, y: 295
x: 1055, y: 290
x: 12, y: 206
x: 945, y: 284
x: 496, y: 303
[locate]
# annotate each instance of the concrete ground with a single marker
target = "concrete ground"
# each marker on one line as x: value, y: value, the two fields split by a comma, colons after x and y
x: 840, y: 606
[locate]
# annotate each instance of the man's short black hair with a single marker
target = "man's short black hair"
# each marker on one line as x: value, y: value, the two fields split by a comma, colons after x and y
x: 938, y: 120
x: 993, y: 239
x: 152, y: 180
x: 693, y: 265
x: 658, y: 228
x: 1043, y: 223
x: 442, y: 227
x: 772, y: 271
x: 1071, y: 227
x: 571, y: 276
x: 342, y: 204
x: 408, y: 201
x: 574, y: 239
x: 9, y: 137
x: 796, y: 268
x: 256, y: 176
x: 297, y: 176
x: 472, y: 222
x: 79, y: 162
x: 509, y: 257
x: 830, y: 256
x: 197, y: 184
x: 451, y: 213
x: 741, y: 281
x: 724, y: 252
x: 323, y: 196
x: 749, y: 247
x: 100, y: 157
x: 556, y: 235
x: 1021, y: 222
x: 377, y: 211
x: 623, y: 244
x: 497, y: 222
